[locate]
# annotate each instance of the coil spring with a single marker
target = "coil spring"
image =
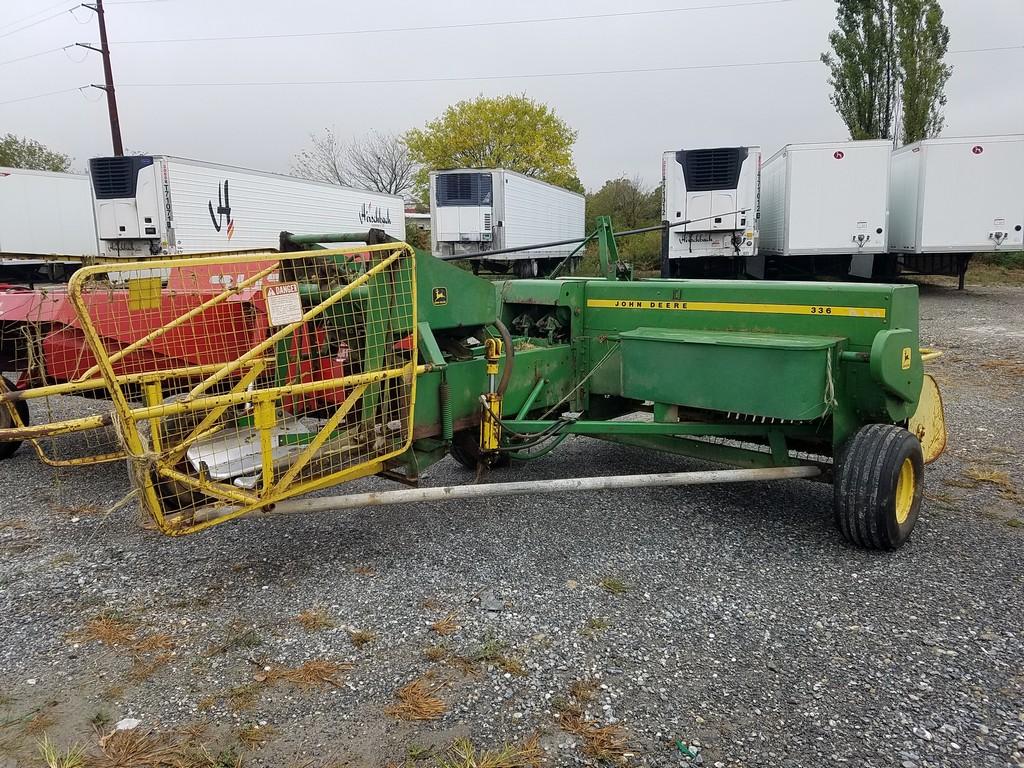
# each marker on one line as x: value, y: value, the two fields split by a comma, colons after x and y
x: 447, y: 425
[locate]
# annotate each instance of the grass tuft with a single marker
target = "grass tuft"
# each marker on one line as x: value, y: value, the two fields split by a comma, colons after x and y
x: 583, y: 690
x: 39, y: 723
x: 143, y: 670
x: 314, y: 619
x: 1013, y: 368
x: 446, y: 626
x: 462, y: 754
x: 78, y: 510
x: 596, y: 624
x: 155, y: 642
x: 417, y: 701
x: 53, y: 757
x: 239, y: 636
x: 435, y: 653
x: 311, y: 674
x: 254, y: 736
x: 137, y: 749
x: 240, y: 698
x: 982, y: 474
x: 603, y: 743
x: 614, y: 586
x: 495, y: 652
x: 110, y: 629
x: 100, y: 720
x: 364, y: 570
x: 361, y: 637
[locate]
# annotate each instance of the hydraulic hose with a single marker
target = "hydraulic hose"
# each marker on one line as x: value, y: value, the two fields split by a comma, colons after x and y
x: 510, y: 354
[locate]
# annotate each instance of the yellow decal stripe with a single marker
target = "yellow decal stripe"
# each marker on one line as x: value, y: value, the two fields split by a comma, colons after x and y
x: 717, y: 306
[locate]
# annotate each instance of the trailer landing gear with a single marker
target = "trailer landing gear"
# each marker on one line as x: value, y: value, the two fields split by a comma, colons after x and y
x: 878, y: 484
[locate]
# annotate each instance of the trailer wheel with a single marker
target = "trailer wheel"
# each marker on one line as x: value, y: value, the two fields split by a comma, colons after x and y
x: 526, y: 268
x: 9, y: 447
x: 879, y: 480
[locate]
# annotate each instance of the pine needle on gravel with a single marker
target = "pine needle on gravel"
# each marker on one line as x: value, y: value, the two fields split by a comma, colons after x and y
x: 417, y: 701
x: 318, y: 672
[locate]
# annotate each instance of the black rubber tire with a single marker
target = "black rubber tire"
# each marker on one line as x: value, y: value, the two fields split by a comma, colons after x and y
x: 867, y: 474
x: 9, y: 447
x: 526, y: 268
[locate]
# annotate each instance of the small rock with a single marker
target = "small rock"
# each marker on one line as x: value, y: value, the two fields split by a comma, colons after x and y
x: 491, y: 603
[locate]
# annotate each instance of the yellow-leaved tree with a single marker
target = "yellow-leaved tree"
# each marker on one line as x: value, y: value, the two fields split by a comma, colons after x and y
x: 513, y: 132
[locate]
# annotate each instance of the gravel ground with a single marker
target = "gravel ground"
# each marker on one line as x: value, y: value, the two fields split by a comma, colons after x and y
x: 734, y: 618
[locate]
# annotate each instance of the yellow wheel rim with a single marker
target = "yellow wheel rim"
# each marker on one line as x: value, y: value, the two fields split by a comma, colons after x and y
x: 905, y: 487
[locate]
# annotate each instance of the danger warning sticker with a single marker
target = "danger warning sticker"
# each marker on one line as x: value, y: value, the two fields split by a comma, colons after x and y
x: 284, y: 304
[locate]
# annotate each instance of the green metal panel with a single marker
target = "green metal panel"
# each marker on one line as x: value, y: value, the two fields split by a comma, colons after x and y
x: 892, y: 364
x: 448, y: 297
x: 467, y: 380
x: 726, y: 371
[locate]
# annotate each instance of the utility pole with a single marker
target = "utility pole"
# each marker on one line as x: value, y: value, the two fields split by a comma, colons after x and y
x: 108, y: 77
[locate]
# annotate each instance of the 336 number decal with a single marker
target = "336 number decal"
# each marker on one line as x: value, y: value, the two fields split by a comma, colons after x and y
x: 821, y: 310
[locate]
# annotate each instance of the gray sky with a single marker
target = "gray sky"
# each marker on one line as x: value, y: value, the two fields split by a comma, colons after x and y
x: 625, y: 121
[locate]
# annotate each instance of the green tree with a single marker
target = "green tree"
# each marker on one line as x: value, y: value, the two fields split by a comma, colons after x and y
x: 628, y: 201
x: 922, y: 40
x: 631, y: 205
x: 862, y: 66
x: 887, y: 60
x: 21, y: 152
x: 512, y: 132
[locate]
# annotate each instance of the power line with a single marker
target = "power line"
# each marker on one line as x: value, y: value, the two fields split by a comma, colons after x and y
x: 42, y: 95
x: 35, y: 23
x: 522, y: 76
x: 34, y: 14
x: 987, y: 50
x: 466, y: 25
x: 534, y: 75
x: 34, y: 55
x: 456, y: 78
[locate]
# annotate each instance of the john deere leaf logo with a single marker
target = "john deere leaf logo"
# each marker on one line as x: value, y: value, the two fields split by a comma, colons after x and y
x: 440, y: 296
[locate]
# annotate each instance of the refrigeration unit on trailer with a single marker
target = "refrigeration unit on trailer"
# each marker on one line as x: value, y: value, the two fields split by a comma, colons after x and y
x: 825, y: 202
x: 952, y: 198
x: 718, y: 191
x: 44, y: 216
x: 152, y: 205
x: 475, y: 210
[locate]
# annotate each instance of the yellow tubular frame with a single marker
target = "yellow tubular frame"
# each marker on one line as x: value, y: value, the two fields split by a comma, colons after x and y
x: 90, y: 380
x: 265, y: 400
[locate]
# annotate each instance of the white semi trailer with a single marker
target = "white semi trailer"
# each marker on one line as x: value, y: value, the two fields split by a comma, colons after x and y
x: 952, y: 198
x: 475, y: 210
x: 825, y: 205
x: 44, y: 216
x: 717, y: 189
x: 155, y: 204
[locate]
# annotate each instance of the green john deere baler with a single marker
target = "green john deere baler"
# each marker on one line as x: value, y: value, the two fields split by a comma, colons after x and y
x: 385, y: 361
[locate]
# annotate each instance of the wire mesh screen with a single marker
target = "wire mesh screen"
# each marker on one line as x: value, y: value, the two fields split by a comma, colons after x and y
x: 238, y: 382
x: 53, y: 394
